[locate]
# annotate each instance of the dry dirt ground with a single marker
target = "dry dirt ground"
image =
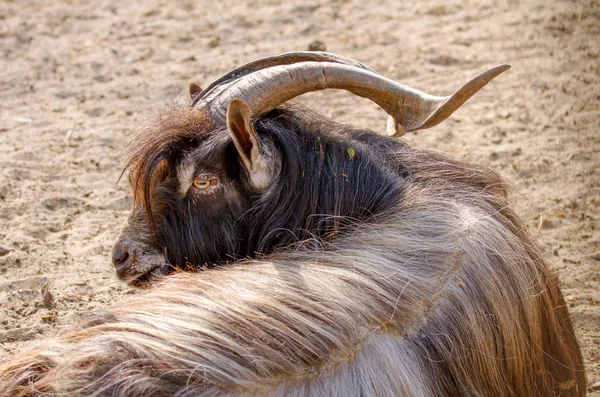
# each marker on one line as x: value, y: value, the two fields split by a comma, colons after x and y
x: 79, y: 78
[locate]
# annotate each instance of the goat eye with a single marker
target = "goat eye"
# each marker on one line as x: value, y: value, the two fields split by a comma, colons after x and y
x: 203, y: 183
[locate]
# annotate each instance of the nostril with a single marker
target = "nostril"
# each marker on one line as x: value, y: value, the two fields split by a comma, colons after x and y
x: 119, y: 254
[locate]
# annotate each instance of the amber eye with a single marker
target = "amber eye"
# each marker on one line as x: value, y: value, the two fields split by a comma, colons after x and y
x: 203, y: 183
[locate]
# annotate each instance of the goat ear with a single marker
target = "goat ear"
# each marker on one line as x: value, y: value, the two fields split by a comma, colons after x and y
x: 239, y: 124
x: 195, y: 89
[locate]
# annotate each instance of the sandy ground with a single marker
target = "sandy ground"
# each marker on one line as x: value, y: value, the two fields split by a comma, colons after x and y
x: 78, y: 79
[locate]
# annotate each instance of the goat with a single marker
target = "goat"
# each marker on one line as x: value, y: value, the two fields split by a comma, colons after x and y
x: 325, y: 260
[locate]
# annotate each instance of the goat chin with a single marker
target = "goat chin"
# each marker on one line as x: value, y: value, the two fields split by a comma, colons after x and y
x: 440, y: 298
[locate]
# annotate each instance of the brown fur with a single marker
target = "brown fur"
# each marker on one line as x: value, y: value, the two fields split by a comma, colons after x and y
x: 180, y: 125
x: 446, y: 295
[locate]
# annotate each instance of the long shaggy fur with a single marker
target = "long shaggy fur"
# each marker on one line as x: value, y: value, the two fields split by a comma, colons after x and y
x: 319, y: 188
x: 441, y: 293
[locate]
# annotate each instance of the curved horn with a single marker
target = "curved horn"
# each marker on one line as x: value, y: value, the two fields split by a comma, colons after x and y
x: 286, y: 58
x: 265, y: 87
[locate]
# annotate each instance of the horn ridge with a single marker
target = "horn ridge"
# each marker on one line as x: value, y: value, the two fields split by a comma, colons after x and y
x: 286, y: 58
x: 268, y: 82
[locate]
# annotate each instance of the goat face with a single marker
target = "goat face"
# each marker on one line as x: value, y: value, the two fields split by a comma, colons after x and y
x: 200, y: 173
x: 192, y: 183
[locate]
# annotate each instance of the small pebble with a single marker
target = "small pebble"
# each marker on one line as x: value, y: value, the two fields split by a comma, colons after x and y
x: 47, y: 297
x: 214, y: 42
x: 317, y: 45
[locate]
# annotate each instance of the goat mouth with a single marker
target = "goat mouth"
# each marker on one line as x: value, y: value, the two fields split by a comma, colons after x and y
x: 144, y: 280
